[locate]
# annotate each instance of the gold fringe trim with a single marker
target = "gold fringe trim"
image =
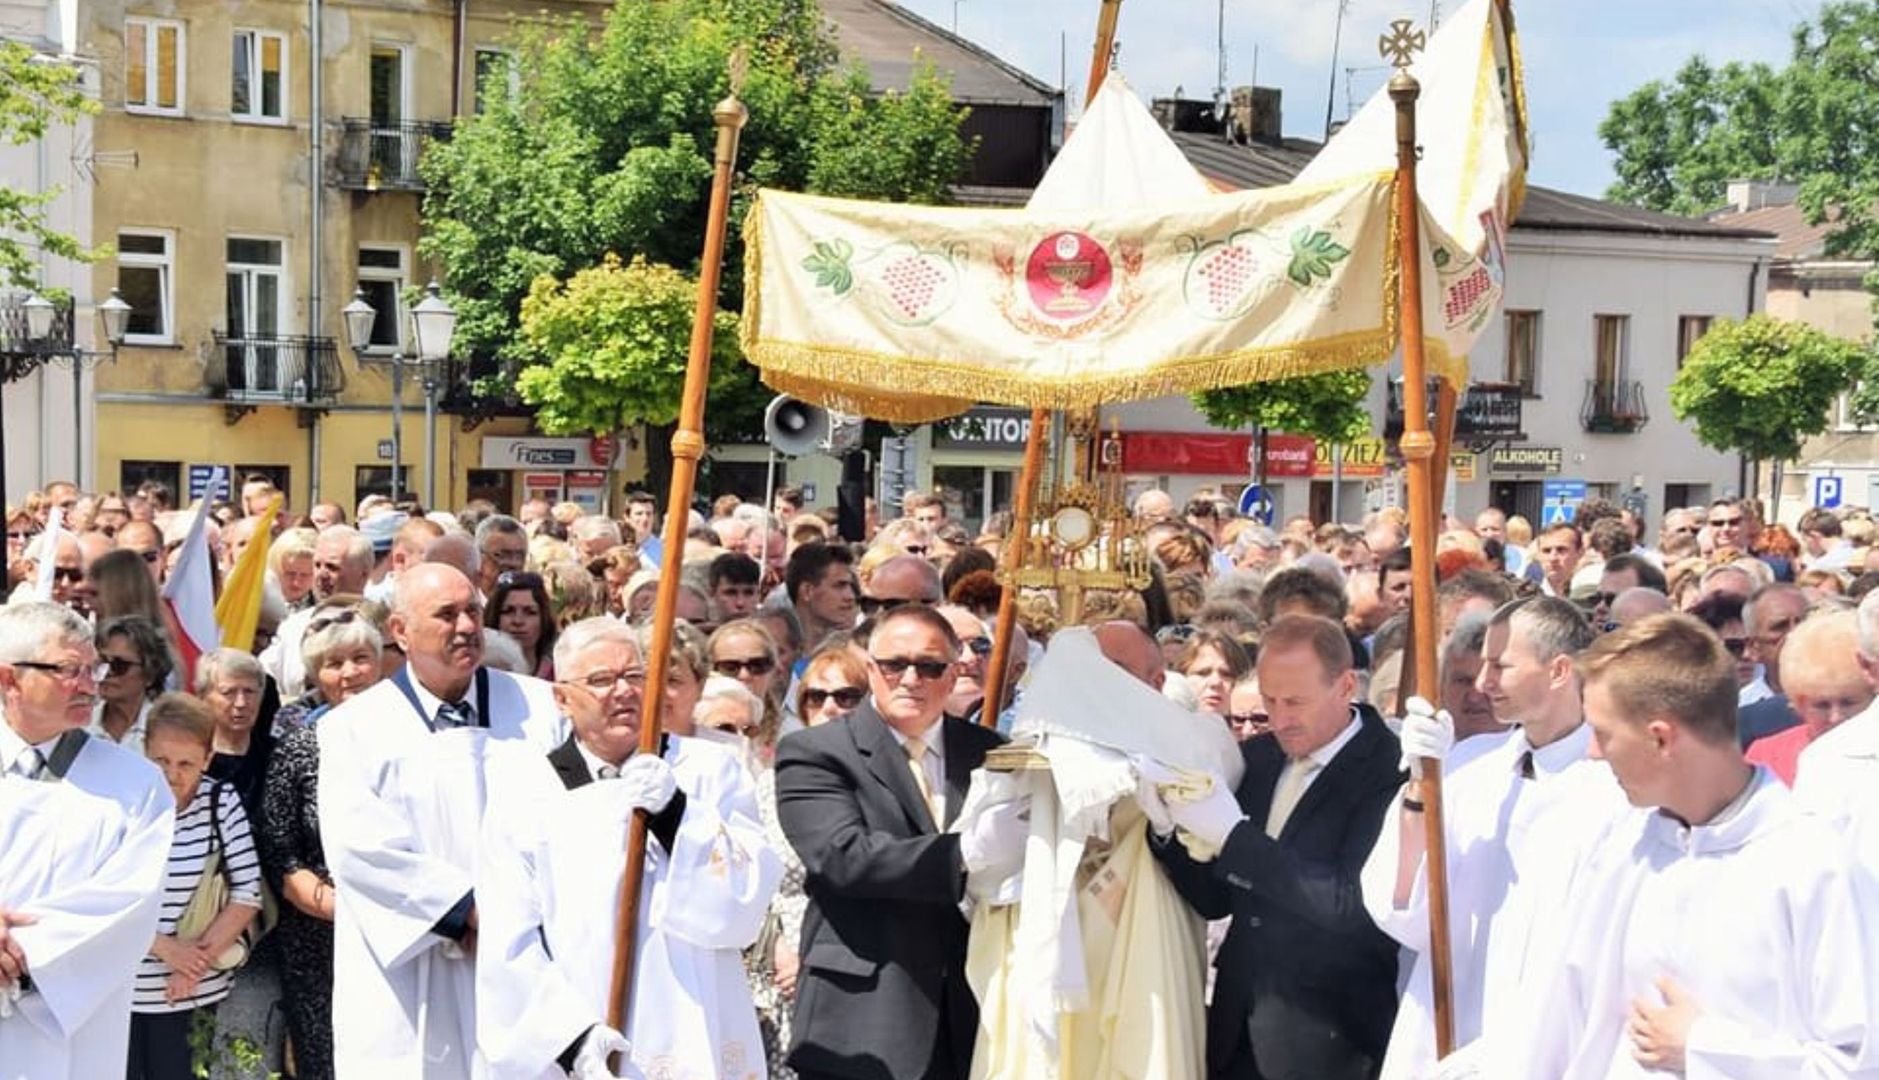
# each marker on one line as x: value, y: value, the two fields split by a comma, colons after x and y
x: 911, y: 389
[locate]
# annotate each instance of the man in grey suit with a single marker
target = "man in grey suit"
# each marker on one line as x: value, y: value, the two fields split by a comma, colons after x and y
x: 864, y: 801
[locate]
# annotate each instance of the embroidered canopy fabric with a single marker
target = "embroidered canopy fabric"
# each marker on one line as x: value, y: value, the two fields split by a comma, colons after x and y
x: 1103, y: 290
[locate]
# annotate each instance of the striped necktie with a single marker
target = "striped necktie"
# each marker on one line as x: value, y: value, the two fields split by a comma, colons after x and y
x: 30, y: 763
x: 455, y: 714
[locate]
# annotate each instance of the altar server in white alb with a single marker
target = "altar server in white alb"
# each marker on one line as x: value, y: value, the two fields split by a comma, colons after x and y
x: 84, y: 836
x: 403, y: 776
x: 551, y: 876
x: 1714, y: 932
x: 1514, y: 813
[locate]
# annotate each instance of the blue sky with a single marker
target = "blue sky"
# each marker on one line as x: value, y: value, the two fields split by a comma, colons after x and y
x: 1580, y: 54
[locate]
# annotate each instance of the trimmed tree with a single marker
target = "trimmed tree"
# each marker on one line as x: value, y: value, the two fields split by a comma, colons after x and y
x: 1761, y: 386
x: 1328, y: 406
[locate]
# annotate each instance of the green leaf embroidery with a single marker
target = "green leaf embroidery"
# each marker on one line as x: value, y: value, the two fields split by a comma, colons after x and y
x: 1314, y: 253
x: 829, y: 264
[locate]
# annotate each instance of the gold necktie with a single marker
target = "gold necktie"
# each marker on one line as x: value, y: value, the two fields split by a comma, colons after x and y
x: 916, y: 761
x: 1285, y: 797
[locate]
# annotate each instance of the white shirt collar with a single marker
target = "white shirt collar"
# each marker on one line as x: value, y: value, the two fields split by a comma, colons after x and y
x: 1560, y: 754
x: 135, y: 732
x: 594, y: 762
x: 1323, y: 755
x: 931, y: 736
x: 430, y: 702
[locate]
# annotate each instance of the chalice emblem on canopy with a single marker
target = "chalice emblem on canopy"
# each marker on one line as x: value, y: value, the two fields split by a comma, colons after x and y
x: 1069, y: 275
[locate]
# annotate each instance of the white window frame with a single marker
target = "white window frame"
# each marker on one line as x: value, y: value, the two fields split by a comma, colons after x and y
x: 284, y: 300
x: 151, y: 51
x: 255, y: 39
x: 400, y: 279
x: 165, y: 265
x: 514, y: 80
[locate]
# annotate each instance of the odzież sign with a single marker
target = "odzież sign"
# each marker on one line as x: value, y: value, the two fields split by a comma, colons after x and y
x: 1544, y: 460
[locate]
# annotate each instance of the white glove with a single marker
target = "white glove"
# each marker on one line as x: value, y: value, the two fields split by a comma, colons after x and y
x: 1426, y: 733
x: 9, y: 993
x: 601, y: 1043
x: 1148, y: 796
x: 649, y: 783
x: 994, y: 845
x: 1211, y: 817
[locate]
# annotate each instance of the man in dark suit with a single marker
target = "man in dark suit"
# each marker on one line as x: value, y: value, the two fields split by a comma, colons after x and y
x: 1306, y: 984
x: 864, y: 801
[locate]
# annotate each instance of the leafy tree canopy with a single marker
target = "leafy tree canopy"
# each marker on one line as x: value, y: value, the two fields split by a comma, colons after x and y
x: 1327, y: 406
x: 1814, y: 122
x: 35, y: 94
x: 1761, y: 386
x: 605, y: 148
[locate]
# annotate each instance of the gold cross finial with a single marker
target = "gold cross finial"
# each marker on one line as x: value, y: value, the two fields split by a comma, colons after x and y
x: 1402, y: 43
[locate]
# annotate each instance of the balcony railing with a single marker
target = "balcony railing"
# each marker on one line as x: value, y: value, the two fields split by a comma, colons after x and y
x: 1613, y: 408
x: 1485, y: 411
x: 286, y: 369
x: 377, y: 155
x: 480, y: 387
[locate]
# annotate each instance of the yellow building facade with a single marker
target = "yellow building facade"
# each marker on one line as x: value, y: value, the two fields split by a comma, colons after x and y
x: 210, y: 160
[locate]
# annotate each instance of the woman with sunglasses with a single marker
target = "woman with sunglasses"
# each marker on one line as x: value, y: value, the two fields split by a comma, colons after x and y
x: 344, y: 656
x: 137, y: 656
x: 743, y: 650
x: 834, y: 683
x: 1213, y: 663
x: 519, y: 607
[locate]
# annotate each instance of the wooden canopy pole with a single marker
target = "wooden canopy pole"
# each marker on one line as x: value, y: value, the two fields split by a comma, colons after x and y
x: 688, y: 446
x: 1021, y: 517
x: 1418, y: 446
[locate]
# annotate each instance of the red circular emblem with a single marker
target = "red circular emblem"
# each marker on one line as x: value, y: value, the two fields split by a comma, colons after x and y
x: 1069, y: 276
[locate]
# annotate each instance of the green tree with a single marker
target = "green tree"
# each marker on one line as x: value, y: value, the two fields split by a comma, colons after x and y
x: 1328, y: 406
x: 606, y: 147
x: 35, y: 94
x: 614, y: 340
x: 1760, y: 386
x: 1678, y: 144
x: 1814, y: 122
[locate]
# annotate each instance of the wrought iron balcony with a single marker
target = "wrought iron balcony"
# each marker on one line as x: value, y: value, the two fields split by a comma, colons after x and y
x: 377, y: 155
x: 1613, y: 408
x: 480, y: 387
x: 1486, y: 411
x: 274, y: 369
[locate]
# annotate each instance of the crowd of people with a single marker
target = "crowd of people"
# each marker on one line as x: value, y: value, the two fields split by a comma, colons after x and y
x: 387, y: 840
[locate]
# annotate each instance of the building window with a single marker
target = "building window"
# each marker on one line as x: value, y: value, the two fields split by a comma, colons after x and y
x: 153, y: 59
x: 1690, y: 330
x: 1612, y: 337
x: 256, y: 295
x: 143, y: 279
x: 382, y: 280
x: 134, y: 474
x: 259, y: 92
x: 1523, y: 351
x: 497, y: 77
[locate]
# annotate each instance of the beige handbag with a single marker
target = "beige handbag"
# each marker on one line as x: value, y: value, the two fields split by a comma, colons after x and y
x: 211, y: 896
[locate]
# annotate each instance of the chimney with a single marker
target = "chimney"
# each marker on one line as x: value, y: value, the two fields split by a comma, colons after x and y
x: 1746, y: 195
x: 1256, y: 115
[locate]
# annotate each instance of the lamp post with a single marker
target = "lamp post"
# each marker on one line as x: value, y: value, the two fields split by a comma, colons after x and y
x: 433, y: 324
x: 32, y: 336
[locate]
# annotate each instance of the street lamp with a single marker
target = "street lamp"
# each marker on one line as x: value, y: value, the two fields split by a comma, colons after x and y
x: 433, y: 325
x: 35, y: 336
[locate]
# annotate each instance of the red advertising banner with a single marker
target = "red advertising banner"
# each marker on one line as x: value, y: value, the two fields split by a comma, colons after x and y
x: 1209, y: 454
x: 1290, y: 455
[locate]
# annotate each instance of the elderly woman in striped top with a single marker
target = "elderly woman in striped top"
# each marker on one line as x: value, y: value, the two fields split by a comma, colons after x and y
x: 181, y: 976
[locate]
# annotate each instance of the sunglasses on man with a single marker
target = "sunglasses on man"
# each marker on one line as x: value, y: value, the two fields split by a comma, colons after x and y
x: 893, y: 667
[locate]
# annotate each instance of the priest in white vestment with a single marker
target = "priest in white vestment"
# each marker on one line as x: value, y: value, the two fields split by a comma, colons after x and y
x: 550, y: 882
x: 1714, y: 931
x: 1087, y: 963
x: 84, y: 837
x: 403, y: 776
x: 1514, y: 814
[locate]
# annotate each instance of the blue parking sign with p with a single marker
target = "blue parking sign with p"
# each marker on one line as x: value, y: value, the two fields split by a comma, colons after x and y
x: 1828, y: 491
